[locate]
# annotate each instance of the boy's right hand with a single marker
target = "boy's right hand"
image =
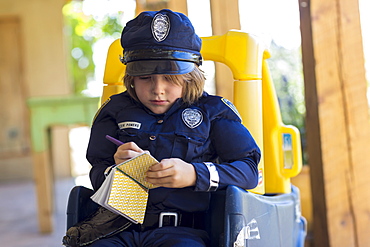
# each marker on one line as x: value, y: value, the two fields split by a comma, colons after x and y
x: 127, y: 151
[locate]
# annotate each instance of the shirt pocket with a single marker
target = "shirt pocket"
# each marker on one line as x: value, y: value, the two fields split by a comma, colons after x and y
x: 131, y: 136
x: 188, y: 147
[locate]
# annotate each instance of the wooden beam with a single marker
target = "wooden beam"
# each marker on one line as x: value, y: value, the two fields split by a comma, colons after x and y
x: 338, y: 129
x: 312, y: 124
x: 44, y: 190
x: 178, y: 6
x: 154, y: 5
x: 225, y: 16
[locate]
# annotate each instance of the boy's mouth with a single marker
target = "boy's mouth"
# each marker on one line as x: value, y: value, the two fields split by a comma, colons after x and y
x: 158, y: 102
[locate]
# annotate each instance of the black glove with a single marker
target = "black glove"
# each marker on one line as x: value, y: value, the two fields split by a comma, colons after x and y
x: 103, y: 223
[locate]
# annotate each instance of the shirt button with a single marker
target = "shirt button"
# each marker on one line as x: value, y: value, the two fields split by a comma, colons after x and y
x: 152, y: 138
x: 160, y: 121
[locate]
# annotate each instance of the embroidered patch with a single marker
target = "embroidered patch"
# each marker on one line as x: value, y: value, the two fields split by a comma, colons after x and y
x: 192, y: 117
x: 231, y: 106
x: 160, y: 27
x: 131, y: 125
x: 101, y: 107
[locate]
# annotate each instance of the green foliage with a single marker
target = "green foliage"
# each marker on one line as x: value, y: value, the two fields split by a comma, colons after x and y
x: 287, y: 74
x: 83, y: 31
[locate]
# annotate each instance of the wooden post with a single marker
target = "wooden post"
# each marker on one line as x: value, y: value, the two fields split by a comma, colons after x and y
x: 178, y: 6
x: 60, y: 151
x: 174, y: 5
x: 44, y: 190
x: 225, y: 16
x: 338, y: 128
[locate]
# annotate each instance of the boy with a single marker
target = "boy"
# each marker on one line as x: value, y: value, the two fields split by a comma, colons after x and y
x: 197, y: 138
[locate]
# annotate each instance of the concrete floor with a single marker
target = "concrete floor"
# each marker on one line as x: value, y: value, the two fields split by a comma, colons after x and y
x: 18, y: 217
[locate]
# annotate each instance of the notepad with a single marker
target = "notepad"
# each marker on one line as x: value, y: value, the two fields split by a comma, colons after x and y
x: 125, y: 190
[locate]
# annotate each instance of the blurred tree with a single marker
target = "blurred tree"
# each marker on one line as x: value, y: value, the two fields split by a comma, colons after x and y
x: 83, y: 31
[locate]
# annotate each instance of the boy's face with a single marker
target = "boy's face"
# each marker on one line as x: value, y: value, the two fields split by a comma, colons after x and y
x: 157, y: 92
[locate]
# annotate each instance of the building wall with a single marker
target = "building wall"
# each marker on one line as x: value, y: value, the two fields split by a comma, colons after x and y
x: 44, y: 56
x: 42, y: 72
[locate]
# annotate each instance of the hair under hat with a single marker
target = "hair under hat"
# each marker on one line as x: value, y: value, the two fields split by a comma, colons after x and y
x: 160, y: 42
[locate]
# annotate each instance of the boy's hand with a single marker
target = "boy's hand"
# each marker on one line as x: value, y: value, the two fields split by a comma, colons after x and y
x: 127, y: 151
x: 172, y: 173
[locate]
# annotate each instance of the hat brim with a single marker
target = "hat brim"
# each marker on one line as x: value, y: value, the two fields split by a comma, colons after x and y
x: 165, y: 67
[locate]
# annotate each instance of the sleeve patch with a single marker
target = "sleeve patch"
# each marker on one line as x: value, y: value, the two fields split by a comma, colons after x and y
x: 101, y: 107
x: 231, y: 106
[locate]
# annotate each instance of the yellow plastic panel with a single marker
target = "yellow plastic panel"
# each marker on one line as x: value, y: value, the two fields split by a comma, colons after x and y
x: 248, y: 100
x: 282, y: 144
x: 114, y: 71
x: 238, y: 50
x: 243, y: 54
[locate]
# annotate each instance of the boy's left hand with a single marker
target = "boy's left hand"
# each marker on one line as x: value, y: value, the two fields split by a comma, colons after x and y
x: 172, y: 173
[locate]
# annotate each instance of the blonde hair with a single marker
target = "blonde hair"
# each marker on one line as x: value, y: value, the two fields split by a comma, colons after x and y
x: 192, y: 83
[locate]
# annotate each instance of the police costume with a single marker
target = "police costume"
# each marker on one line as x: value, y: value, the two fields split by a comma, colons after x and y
x: 208, y: 134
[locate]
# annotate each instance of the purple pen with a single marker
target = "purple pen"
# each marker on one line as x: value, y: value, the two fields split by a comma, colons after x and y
x: 114, y: 140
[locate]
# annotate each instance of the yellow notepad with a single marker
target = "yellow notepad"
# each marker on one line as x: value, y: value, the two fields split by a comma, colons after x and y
x: 137, y: 167
x: 125, y: 190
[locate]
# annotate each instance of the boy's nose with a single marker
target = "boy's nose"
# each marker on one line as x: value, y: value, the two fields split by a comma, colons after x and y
x: 157, y: 85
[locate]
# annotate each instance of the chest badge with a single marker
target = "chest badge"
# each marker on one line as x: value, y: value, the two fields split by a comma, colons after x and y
x: 192, y: 117
x: 160, y: 27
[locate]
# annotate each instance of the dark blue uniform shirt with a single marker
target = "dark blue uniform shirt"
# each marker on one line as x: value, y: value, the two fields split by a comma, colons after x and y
x: 207, y: 134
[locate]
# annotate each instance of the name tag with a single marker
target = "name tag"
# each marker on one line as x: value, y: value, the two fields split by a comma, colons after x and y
x: 132, y: 125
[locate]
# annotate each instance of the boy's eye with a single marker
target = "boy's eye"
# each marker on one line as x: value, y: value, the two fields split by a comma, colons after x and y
x: 144, y: 77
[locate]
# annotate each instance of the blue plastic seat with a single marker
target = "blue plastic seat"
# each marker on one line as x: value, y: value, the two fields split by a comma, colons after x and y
x: 235, y: 218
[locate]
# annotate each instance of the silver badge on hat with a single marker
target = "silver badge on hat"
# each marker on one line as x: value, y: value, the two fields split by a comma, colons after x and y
x: 160, y: 27
x: 192, y: 117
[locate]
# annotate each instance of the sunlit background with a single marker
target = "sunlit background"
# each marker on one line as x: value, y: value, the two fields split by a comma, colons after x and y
x: 276, y: 21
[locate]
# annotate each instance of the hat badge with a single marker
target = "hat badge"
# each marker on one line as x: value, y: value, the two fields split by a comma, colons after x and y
x: 160, y: 27
x: 192, y: 117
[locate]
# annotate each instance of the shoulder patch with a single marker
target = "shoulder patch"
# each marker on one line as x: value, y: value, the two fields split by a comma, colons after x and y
x: 101, y: 107
x: 231, y: 106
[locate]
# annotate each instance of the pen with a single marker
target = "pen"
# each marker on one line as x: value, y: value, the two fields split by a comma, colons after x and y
x: 114, y: 140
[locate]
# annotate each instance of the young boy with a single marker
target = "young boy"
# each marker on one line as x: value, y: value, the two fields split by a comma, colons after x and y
x: 197, y: 138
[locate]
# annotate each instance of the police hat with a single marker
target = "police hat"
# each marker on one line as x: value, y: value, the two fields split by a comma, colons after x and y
x: 160, y: 42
